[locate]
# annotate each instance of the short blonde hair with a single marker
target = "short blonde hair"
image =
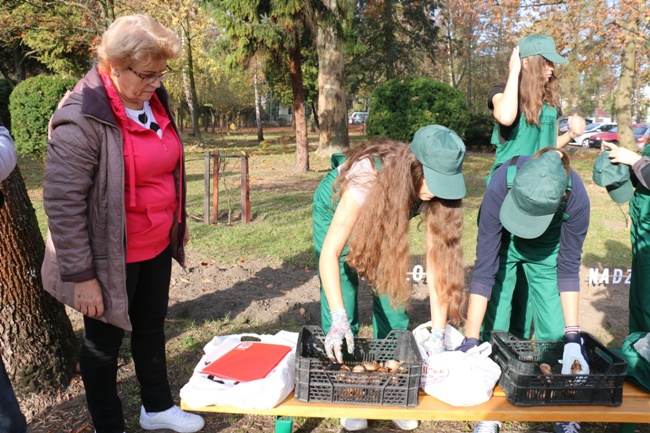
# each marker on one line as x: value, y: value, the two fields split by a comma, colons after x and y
x: 136, y: 39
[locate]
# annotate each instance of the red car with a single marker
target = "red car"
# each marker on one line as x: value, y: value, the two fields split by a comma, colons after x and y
x: 641, y: 136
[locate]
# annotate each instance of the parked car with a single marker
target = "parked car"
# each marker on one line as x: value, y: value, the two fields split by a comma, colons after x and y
x: 358, y: 118
x: 594, y: 128
x: 641, y: 136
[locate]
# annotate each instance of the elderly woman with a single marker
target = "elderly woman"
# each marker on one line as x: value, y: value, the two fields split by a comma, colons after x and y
x: 114, y: 195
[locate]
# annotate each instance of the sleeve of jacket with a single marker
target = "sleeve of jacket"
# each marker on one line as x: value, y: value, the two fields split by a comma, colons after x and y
x: 641, y: 172
x: 7, y: 153
x: 72, y: 159
x: 489, y: 234
x: 572, y: 237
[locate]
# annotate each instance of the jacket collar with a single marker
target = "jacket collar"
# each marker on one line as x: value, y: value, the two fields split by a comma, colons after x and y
x: 95, y: 100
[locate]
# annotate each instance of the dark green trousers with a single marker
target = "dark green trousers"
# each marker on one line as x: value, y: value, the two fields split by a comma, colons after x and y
x: 385, y: 318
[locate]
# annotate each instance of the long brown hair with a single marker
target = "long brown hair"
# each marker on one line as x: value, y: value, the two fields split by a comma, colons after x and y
x: 535, y: 90
x: 379, y: 249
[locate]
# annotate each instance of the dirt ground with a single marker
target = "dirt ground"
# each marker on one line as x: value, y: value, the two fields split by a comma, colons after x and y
x: 264, y: 292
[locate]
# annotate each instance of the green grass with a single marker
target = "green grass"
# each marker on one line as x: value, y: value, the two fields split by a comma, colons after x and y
x: 280, y: 199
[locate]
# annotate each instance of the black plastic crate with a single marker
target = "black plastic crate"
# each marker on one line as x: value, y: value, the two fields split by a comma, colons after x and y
x: 319, y: 380
x: 525, y: 385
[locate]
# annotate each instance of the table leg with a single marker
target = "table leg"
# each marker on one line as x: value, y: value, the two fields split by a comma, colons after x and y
x: 284, y: 424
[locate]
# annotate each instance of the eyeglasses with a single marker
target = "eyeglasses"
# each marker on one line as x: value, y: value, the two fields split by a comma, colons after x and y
x: 149, y: 79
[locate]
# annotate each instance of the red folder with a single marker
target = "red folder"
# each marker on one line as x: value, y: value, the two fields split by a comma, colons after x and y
x: 247, y: 361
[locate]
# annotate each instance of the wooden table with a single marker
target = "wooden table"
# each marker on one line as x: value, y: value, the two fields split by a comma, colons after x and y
x: 634, y: 409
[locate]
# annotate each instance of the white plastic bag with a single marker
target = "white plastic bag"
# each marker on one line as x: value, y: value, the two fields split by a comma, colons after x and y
x: 264, y: 393
x: 454, y: 377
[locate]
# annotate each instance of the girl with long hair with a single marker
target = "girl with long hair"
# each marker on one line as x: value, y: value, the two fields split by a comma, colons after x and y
x: 361, y: 219
x: 527, y: 105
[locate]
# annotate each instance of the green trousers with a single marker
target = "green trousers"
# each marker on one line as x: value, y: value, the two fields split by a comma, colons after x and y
x: 640, y: 280
x: 385, y: 318
x: 511, y: 307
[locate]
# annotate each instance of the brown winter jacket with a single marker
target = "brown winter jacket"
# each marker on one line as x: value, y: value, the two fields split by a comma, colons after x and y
x: 83, y: 195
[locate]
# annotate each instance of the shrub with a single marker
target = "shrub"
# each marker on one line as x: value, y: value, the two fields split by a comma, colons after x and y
x: 479, y: 132
x: 5, y: 91
x: 31, y: 105
x: 400, y: 107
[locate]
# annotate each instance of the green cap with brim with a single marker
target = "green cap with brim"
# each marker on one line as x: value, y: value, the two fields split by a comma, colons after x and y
x: 540, y: 45
x: 441, y: 152
x: 535, y: 196
x: 614, y: 177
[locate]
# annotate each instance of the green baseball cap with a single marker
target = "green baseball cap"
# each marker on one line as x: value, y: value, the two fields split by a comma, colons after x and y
x: 441, y: 152
x: 614, y: 177
x: 540, y: 45
x: 535, y: 196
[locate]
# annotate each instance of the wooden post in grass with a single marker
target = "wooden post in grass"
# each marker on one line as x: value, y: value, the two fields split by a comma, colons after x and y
x: 215, y: 186
x: 206, y: 188
x: 244, y: 181
x: 245, y: 190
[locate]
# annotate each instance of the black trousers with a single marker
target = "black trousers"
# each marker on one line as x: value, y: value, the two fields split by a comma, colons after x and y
x: 147, y: 286
x: 12, y: 419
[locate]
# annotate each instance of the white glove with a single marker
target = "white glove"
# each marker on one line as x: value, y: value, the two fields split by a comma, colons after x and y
x: 437, y: 341
x: 339, y: 330
x: 574, y: 358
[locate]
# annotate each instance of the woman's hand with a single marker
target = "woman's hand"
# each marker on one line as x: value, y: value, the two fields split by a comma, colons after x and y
x: 515, y: 62
x: 621, y: 155
x: 339, y: 330
x: 576, y: 125
x: 88, y: 298
x: 186, y: 238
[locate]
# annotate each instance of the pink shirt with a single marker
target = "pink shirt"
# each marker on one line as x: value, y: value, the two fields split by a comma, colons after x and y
x: 150, y: 195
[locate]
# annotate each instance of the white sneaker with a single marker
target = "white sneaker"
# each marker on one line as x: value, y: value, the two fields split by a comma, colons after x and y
x: 406, y: 424
x: 567, y: 427
x: 487, y: 427
x: 173, y: 418
x: 354, y: 424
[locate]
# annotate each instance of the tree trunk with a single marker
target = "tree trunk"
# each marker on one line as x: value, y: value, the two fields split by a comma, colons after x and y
x: 332, y: 109
x: 626, y: 89
x: 108, y: 8
x: 314, y: 110
x: 469, y: 81
x: 258, y: 112
x: 37, y: 342
x: 302, y: 145
x: 179, y: 117
x: 190, y: 86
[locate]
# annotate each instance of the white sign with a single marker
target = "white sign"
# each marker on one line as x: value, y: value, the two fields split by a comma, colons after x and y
x: 604, y: 276
x: 417, y: 275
